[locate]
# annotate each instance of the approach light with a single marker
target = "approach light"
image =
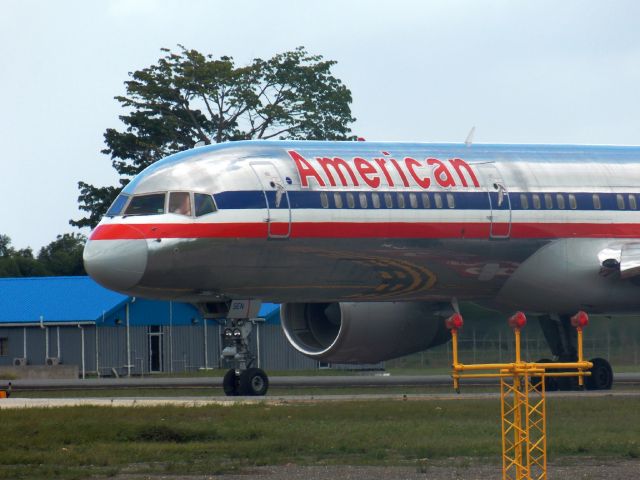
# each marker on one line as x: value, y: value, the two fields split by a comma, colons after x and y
x: 228, y: 333
x: 580, y: 319
x: 518, y: 320
x: 237, y: 333
x: 454, y: 322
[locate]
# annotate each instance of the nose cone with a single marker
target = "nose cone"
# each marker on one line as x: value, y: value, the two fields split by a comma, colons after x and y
x: 116, y: 264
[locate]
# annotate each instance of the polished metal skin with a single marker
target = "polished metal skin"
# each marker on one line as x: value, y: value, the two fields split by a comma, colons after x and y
x: 542, y: 228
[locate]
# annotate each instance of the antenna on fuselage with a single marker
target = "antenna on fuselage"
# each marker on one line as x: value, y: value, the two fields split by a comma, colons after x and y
x: 469, y: 139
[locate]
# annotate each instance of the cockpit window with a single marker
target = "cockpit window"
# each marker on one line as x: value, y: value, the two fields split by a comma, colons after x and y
x: 118, y: 205
x: 152, y: 204
x: 204, y: 204
x: 180, y: 203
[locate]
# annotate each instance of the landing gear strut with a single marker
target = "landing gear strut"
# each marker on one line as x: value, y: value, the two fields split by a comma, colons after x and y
x: 561, y: 338
x: 242, y: 379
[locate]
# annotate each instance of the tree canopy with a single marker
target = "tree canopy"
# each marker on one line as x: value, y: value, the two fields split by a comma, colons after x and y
x: 63, y: 256
x: 189, y: 97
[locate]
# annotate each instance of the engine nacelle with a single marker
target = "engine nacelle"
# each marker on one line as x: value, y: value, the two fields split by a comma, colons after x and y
x: 364, y: 332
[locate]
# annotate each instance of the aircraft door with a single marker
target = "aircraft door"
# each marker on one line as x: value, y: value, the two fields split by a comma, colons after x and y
x: 499, y: 201
x: 276, y: 197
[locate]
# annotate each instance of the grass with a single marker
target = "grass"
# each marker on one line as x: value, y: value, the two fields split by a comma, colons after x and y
x: 80, y: 442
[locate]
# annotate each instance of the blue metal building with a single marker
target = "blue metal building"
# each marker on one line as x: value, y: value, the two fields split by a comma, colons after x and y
x: 74, y: 321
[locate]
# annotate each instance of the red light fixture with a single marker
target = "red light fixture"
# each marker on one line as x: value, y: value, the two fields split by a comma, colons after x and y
x: 580, y: 319
x: 518, y: 320
x: 454, y: 322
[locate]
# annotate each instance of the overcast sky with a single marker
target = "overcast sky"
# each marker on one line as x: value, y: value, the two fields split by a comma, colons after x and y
x: 521, y: 72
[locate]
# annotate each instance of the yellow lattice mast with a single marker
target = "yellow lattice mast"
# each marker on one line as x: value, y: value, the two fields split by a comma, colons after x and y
x: 522, y: 398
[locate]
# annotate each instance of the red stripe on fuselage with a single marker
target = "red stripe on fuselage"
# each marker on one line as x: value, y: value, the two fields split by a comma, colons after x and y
x: 365, y: 230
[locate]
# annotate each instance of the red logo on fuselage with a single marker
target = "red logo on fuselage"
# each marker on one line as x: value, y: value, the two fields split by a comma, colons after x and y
x: 383, y: 172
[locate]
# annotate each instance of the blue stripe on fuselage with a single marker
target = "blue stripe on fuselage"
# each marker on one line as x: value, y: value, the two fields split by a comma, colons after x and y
x: 461, y: 200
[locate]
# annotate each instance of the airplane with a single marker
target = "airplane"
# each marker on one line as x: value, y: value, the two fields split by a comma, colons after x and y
x: 369, y: 246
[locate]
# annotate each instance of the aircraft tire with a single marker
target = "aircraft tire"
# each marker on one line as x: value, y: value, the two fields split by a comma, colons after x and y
x: 253, y: 382
x: 601, y: 377
x: 230, y: 383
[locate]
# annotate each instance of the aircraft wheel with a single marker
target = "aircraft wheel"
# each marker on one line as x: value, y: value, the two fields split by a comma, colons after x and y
x: 253, y: 382
x: 550, y: 383
x: 601, y: 377
x: 230, y: 383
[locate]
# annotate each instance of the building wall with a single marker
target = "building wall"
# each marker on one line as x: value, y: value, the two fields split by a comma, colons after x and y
x: 64, y: 342
x: 183, y: 347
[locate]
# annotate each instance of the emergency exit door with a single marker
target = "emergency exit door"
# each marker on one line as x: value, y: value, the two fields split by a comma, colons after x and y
x: 499, y: 201
x: 278, y: 209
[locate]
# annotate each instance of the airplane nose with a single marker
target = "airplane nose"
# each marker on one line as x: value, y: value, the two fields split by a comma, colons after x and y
x: 116, y: 264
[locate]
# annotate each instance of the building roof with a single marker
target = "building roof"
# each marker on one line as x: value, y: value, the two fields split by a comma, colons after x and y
x: 80, y: 299
x: 55, y: 299
x: 270, y: 312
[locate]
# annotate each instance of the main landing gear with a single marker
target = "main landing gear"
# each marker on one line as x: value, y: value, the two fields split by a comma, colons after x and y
x: 242, y: 379
x: 561, y: 338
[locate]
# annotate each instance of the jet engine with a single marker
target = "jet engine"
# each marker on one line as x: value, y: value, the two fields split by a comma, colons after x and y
x: 364, y: 332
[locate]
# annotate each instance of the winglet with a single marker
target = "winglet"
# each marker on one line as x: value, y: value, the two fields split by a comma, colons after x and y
x: 469, y: 139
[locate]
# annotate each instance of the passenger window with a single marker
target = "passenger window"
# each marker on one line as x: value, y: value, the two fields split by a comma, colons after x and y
x: 400, y: 200
x: 363, y: 200
x: 548, y: 201
x: 351, y: 202
x: 388, y: 200
x: 118, y: 205
x: 524, y: 201
x: 620, y: 201
x: 337, y: 198
x: 536, y: 201
x: 375, y: 200
x: 633, y: 205
x: 180, y: 203
x: 152, y: 204
x: 596, y: 201
x: 438, y: 200
x: 451, y: 201
x: 426, y: 202
x: 204, y: 204
x: 572, y: 201
x: 413, y: 200
x: 324, y: 200
x: 560, y: 200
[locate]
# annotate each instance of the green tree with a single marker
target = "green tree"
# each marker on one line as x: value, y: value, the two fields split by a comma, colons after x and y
x: 5, y: 246
x: 63, y: 256
x: 188, y: 97
x: 18, y: 263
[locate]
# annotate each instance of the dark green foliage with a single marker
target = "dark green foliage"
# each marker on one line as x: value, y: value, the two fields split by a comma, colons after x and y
x: 18, y: 263
x: 188, y: 97
x: 63, y: 256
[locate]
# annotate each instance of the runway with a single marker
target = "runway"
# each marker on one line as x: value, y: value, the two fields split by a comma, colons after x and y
x: 369, y: 380
x: 15, y: 403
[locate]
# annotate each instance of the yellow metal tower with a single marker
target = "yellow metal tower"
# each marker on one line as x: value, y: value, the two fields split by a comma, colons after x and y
x: 522, y: 398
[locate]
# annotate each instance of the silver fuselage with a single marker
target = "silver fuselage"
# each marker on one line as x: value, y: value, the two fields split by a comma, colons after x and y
x: 509, y: 226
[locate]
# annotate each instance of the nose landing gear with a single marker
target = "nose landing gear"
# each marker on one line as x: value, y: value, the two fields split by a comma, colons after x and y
x: 242, y: 379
